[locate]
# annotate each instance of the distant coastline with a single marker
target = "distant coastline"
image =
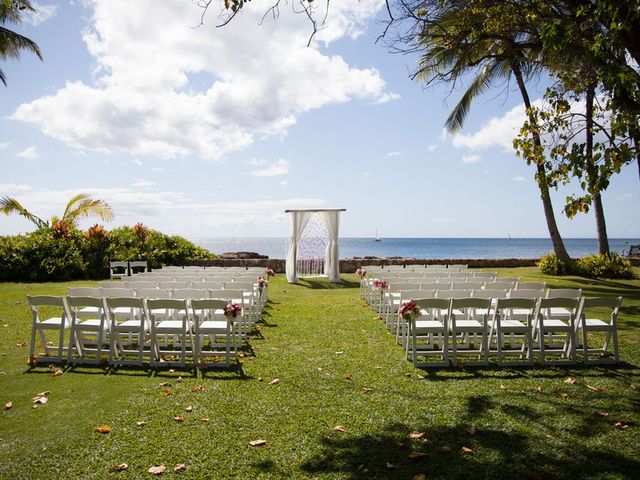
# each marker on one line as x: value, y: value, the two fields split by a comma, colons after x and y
x: 422, y: 248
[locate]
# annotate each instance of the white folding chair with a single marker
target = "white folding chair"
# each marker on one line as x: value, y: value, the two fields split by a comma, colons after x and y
x: 88, y: 335
x: 135, y: 323
x: 118, y: 270
x: 587, y: 323
x: 429, y: 332
x: 170, y: 318
x: 44, y: 322
x: 137, y: 267
x: 210, y: 322
x: 469, y: 330
x: 519, y: 331
x: 548, y: 330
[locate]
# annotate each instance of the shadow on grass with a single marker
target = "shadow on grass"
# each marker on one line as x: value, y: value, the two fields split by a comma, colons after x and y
x: 324, y: 284
x: 539, y: 450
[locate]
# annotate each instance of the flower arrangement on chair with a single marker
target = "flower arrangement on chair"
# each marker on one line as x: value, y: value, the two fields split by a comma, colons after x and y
x: 361, y: 272
x: 262, y: 282
x: 381, y: 284
x: 409, y: 309
x: 232, y: 310
x: 270, y: 272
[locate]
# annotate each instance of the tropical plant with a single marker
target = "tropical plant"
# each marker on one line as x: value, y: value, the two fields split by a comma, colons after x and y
x: 80, y: 206
x: 11, y: 43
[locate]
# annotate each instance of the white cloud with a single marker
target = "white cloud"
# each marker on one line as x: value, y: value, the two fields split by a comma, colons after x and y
x: 281, y: 167
x: 262, y: 77
x: 143, y: 184
x: 257, y: 161
x: 137, y: 161
x: 4, y: 145
x: 157, y: 169
x: 394, y: 154
x: 14, y: 187
x: 519, y: 178
x: 284, y: 183
x: 43, y: 13
x: 471, y: 158
x: 366, y: 174
x: 29, y: 153
x: 498, y: 131
x: 432, y: 147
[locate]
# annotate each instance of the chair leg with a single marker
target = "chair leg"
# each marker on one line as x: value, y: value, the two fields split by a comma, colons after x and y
x: 60, y: 343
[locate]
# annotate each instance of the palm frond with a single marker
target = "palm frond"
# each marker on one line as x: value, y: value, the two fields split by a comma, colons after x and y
x: 479, y: 85
x: 11, y: 43
x: 82, y: 206
x: 10, y: 206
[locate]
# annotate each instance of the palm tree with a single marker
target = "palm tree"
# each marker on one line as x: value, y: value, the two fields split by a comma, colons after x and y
x: 11, y: 43
x: 454, y: 49
x: 80, y: 206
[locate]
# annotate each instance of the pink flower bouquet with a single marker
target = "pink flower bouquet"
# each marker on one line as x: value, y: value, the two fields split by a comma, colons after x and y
x: 232, y: 310
x: 409, y: 309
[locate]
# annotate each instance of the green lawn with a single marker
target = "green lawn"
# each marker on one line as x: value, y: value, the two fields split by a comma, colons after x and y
x: 328, y: 350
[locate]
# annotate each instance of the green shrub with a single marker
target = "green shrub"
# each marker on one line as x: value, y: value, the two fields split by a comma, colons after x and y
x: 59, y: 254
x: 604, y: 266
x: 550, y: 265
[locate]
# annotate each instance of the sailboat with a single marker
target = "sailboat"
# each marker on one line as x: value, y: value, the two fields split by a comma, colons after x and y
x: 377, y: 239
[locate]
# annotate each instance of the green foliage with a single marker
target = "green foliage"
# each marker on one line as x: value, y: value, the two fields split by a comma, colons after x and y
x: 64, y: 253
x: 550, y: 265
x: 604, y: 266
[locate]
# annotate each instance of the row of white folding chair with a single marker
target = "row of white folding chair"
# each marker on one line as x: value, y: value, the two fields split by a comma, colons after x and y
x: 449, y: 335
x: 116, y: 317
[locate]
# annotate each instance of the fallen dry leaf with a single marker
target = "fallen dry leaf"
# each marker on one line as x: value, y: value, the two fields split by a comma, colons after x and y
x: 390, y: 465
x: 275, y: 381
x: 502, y: 387
x: 178, y: 418
x: 44, y: 394
x: 339, y: 353
x: 180, y: 467
x: 119, y: 468
x: 171, y: 370
x: 102, y: 429
x: 57, y: 372
x: 159, y: 470
x: 471, y: 430
x: 165, y: 384
x: 257, y: 443
x: 260, y: 379
x: 421, y: 377
x: 141, y: 424
x: 21, y: 344
x: 378, y: 367
x: 366, y: 390
x: 468, y: 451
x: 417, y: 455
x: 8, y: 405
x: 595, y: 389
x: 179, y: 379
x: 570, y: 381
x: 166, y: 391
x: 623, y: 425
x: 348, y: 376
x: 204, y: 420
x: 39, y: 400
x: 564, y: 395
x: 420, y: 476
x: 340, y: 428
x: 416, y: 435
x: 601, y: 414
x: 540, y: 389
x: 444, y: 449
x: 198, y: 388
x: 189, y: 409
x: 633, y: 386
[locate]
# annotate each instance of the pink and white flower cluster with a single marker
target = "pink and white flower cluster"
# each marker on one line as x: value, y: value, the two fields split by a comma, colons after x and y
x: 408, y: 309
x: 361, y: 272
x: 381, y: 284
x: 232, y: 310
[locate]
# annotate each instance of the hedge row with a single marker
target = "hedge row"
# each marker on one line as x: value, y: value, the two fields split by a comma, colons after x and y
x: 59, y: 254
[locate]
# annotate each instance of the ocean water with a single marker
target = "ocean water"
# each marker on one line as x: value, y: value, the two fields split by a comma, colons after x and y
x: 422, y: 247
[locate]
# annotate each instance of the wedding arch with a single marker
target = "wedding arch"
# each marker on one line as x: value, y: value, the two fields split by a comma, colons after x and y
x: 314, y: 244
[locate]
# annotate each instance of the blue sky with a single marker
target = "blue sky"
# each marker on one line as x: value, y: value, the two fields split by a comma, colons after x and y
x: 214, y: 132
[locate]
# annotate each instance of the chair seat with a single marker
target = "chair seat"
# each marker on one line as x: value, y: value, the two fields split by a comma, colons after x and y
x: 83, y: 312
x: 596, y: 324
x: 429, y: 325
x: 555, y: 324
x: 53, y: 322
x: 92, y: 324
x: 173, y: 325
x: 558, y: 312
x: 128, y: 325
x: 211, y: 325
x: 122, y: 311
x: 468, y: 325
x: 512, y: 325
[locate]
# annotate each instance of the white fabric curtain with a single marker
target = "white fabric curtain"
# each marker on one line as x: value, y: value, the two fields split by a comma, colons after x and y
x: 331, y: 221
x: 299, y: 221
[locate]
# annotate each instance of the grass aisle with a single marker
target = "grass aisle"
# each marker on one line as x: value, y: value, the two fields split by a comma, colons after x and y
x: 336, y: 366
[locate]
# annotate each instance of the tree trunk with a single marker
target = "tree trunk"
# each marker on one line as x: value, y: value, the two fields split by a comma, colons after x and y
x: 541, y: 177
x: 592, y: 181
